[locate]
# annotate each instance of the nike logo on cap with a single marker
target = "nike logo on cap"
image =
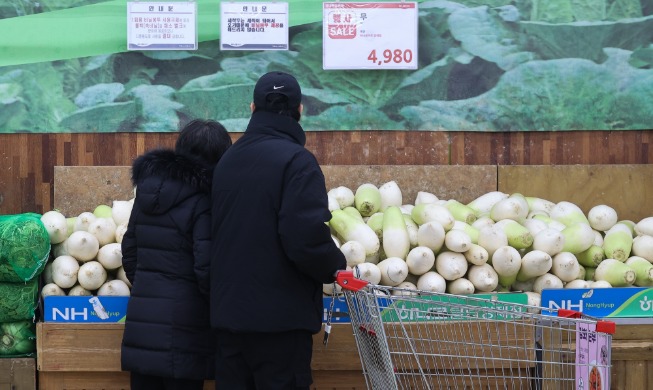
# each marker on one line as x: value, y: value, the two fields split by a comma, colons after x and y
x: 275, y: 87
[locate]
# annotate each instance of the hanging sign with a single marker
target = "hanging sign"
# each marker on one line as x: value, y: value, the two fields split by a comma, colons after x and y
x: 370, y: 35
x: 161, y: 26
x: 253, y: 26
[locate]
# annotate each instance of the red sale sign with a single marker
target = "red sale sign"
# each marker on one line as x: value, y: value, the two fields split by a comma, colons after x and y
x: 370, y: 35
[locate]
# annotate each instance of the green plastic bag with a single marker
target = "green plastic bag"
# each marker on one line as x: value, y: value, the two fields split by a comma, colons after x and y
x: 19, y: 300
x: 24, y: 247
x: 17, y: 339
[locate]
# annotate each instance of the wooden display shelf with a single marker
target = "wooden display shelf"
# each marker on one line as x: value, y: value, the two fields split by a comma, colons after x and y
x: 87, y: 356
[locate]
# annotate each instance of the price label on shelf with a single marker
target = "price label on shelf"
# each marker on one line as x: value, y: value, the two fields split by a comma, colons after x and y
x: 379, y: 35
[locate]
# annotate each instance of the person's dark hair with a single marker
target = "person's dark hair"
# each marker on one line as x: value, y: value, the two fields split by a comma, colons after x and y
x: 203, y: 139
x: 278, y: 103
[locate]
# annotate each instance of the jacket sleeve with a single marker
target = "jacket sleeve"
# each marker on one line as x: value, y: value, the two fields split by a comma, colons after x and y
x: 303, y: 219
x: 128, y: 245
x: 202, y: 244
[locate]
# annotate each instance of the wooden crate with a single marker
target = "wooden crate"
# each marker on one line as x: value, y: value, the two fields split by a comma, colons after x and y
x: 87, y: 356
x: 17, y: 374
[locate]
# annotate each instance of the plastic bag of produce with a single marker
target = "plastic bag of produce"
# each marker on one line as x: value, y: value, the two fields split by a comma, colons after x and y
x: 17, y: 338
x: 24, y: 247
x: 18, y: 301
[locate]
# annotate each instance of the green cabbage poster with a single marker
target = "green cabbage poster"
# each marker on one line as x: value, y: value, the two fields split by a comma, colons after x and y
x: 484, y: 65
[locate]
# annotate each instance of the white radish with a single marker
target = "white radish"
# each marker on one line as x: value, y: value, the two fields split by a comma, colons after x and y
x: 615, y: 272
x: 460, y: 212
x: 83, y: 220
x: 369, y: 272
x: 79, y: 291
x: 534, y: 226
x: 56, y: 226
x: 598, y: 238
x: 354, y: 253
x: 431, y: 235
x: 429, y: 212
x: 491, y: 239
x: 484, y: 203
x: 578, y: 237
x: 518, y: 235
x: 115, y: 288
x: 120, y: 232
x: 568, y: 213
x: 471, y: 231
x: 599, y: 284
x: 602, y: 217
x: 390, y: 195
x: 367, y: 199
x: 91, y: 275
x: 483, y: 277
x: 565, y: 266
x: 393, y: 271
x: 514, y: 207
x: 506, y: 261
x: 451, y: 265
x: 477, y: 255
x: 643, y: 271
x: 533, y: 264
x: 546, y: 281
x: 375, y: 221
x: 121, y: 211
x: 643, y: 247
x: 535, y: 300
x: 396, y: 241
x: 425, y: 197
x: 332, y: 203
x: 482, y: 222
x: 102, y: 211
x: 405, y: 289
x: 457, y: 241
x: 104, y: 229
x: 352, y: 229
x: 120, y: 274
x: 549, y: 240
x: 618, y: 242
x: 82, y: 245
x: 539, y: 204
x: 412, y: 228
x: 343, y: 195
x: 460, y: 286
x: 578, y: 283
x: 591, y: 257
x: 420, y: 260
x: 51, y: 289
x: 110, y: 256
x: 432, y: 281
x: 644, y: 227
x: 64, y: 271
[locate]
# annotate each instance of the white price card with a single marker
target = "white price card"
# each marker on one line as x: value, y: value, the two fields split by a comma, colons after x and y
x: 253, y: 26
x: 379, y: 35
x: 161, y: 25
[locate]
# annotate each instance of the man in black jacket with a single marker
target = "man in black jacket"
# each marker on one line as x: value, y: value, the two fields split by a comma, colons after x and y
x: 272, y: 250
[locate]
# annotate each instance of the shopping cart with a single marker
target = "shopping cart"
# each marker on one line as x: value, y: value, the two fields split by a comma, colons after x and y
x: 425, y: 340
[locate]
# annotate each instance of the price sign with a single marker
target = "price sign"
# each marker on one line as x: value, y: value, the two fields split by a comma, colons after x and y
x: 253, y: 26
x: 161, y: 26
x: 370, y: 35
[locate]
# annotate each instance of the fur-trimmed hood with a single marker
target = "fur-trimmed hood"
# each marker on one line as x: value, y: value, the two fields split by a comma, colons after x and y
x: 164, y: 178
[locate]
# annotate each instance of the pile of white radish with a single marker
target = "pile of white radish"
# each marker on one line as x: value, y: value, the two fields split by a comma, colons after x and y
x: 86, y: 256
x: 497, y: 242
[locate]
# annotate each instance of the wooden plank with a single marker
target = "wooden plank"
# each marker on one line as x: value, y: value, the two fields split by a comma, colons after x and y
x: 638, y: 350
x: 18, y: 373
x: 626, y: 188
x: 636, y: 375
x: 463, y: 183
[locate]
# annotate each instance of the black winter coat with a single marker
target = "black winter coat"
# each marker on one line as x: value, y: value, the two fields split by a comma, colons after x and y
x: 166, y: 258
x: 272, y: 249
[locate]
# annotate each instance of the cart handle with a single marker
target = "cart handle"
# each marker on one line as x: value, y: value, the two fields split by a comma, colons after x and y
x: 348, y: 281
x: 602, y: 326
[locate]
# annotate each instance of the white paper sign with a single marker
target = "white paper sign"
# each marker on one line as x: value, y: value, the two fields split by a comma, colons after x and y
x: 253, y: 26
x: 161, y: 26
x: 370, y: 35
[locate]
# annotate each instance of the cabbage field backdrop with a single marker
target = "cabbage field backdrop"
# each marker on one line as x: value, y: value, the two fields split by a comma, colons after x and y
x: 484, y: 65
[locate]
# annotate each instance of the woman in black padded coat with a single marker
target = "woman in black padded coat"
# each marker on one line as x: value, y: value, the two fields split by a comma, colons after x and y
x: 168, y: 342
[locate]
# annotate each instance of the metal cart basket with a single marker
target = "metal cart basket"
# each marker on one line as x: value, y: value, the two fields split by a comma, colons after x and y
x: 425, y: 340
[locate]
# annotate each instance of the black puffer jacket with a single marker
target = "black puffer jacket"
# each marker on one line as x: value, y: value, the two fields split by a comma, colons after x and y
x: 272, y: 248
x: 166, y: 257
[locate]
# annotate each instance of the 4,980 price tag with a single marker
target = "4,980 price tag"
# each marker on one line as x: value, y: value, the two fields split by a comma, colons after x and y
x: 370, y: 35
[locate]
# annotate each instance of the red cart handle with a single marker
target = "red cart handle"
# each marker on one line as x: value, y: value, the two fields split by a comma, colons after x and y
x: 348, y: 281
x: 602, y: 326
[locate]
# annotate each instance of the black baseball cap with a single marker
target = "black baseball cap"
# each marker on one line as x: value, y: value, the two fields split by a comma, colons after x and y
x: 277, y: 82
